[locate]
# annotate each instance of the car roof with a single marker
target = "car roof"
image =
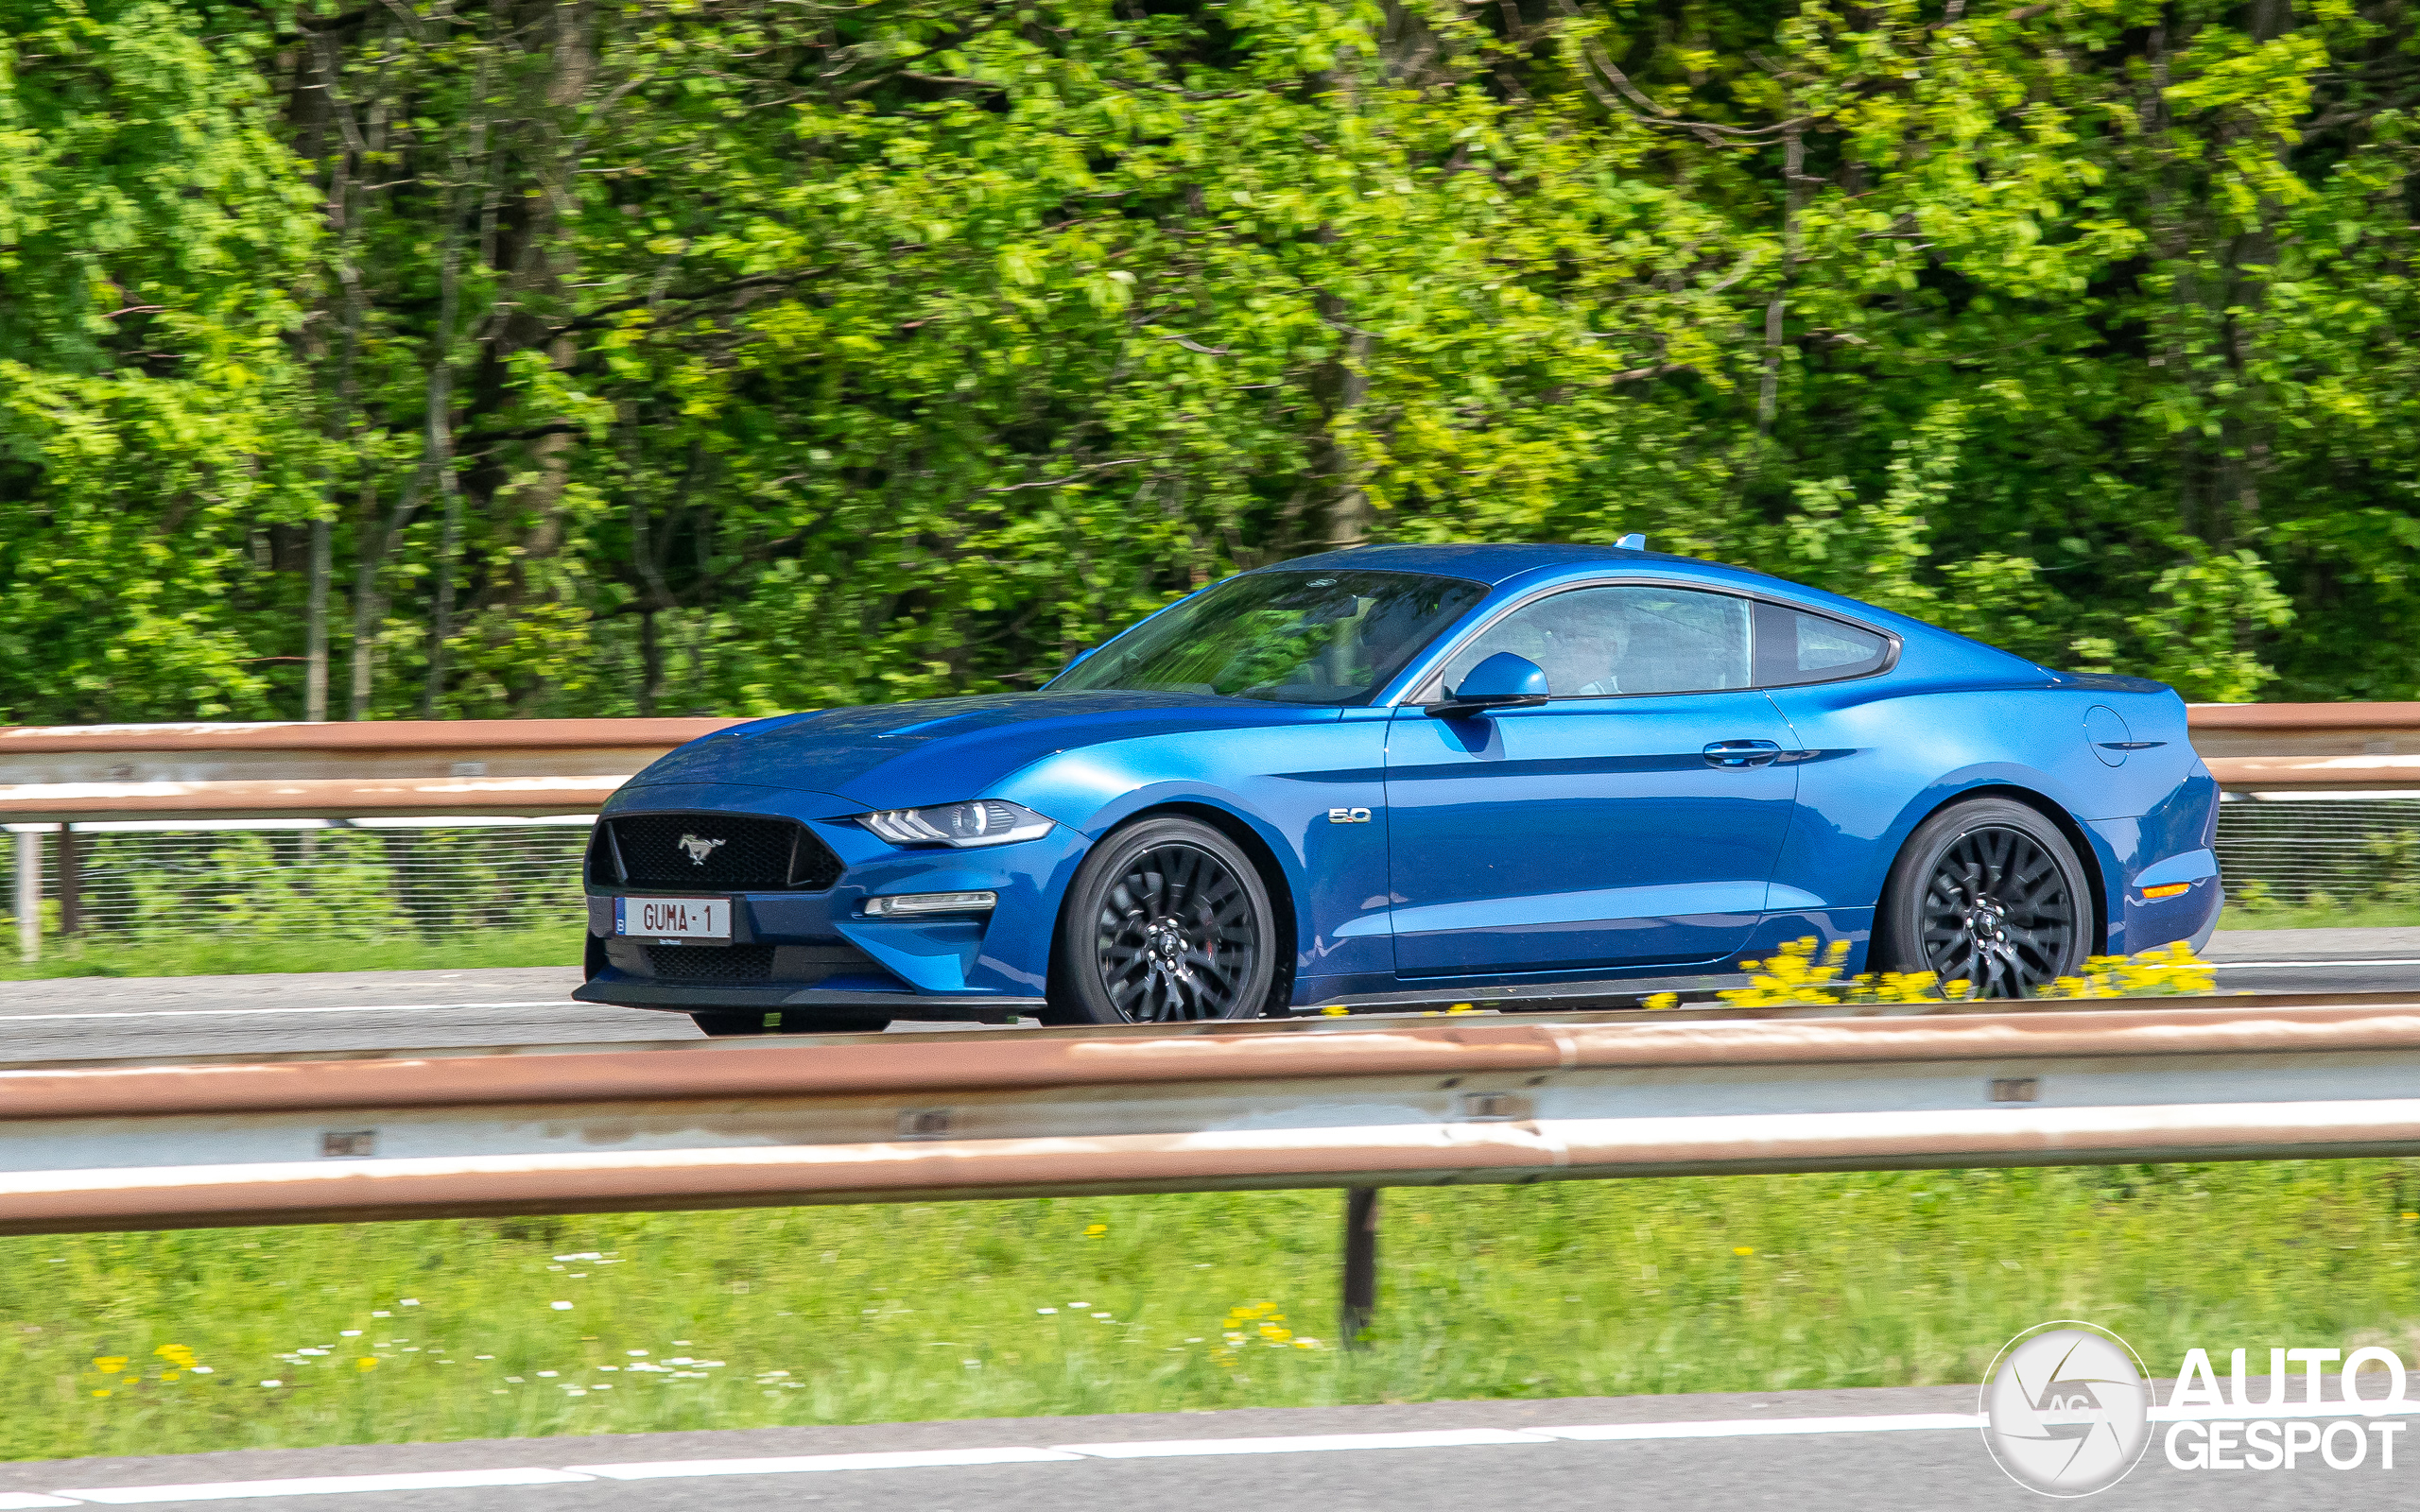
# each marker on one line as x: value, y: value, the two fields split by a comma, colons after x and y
x: 1499, y: 565
x: 1494, y: 563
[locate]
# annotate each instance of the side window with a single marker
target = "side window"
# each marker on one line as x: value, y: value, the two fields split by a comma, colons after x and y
x: 1794, y: 647
x: 1633, y: 638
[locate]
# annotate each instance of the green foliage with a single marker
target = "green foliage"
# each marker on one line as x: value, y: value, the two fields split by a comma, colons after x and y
x: 732, y: 356
x: 192, y: 954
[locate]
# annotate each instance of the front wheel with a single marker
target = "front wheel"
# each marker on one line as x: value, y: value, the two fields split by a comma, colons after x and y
x: 1166, y: 920
x: 1987, y: 892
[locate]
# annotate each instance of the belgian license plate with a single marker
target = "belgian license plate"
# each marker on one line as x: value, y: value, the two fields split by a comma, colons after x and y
x: 680, y: 919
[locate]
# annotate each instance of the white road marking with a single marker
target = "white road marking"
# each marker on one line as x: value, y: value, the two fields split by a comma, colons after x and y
x: 321, y: 1485
x: 1757, y: 1427
x: 6, y: 1018
x: 2279, y: 966
x: 812, y: 1464
x: 1304, y: 1444
x: 1140, y: 1448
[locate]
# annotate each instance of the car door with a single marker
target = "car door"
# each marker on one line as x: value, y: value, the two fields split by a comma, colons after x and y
x: 1633, y: 818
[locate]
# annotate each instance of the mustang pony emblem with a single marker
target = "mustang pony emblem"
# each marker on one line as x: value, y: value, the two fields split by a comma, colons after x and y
x: 699, y: 849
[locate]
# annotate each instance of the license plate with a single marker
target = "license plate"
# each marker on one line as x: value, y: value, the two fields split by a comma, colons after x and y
x: 679, y: 919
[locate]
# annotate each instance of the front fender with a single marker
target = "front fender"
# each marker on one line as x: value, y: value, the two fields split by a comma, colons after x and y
x: 1281, y: 785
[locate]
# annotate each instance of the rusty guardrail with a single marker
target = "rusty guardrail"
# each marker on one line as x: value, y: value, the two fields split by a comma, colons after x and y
x: 400, y: 768
x: 2309, y: 747
x: 867, y: 1118
x: 548, y: 767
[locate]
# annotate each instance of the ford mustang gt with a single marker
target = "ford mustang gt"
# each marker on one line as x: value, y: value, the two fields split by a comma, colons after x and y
x: 1407, y: 774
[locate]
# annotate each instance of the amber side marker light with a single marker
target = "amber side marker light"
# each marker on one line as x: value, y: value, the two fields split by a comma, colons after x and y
x: 2173, y: 889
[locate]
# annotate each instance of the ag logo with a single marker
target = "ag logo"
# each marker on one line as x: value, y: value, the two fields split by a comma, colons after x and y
x: 699, y: 849
x: 2066, y: 1411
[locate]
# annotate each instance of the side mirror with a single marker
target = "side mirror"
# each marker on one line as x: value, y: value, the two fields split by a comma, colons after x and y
x: 1502, y: 681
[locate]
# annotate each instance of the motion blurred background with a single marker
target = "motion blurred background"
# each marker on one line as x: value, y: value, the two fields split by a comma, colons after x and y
x: 563, y: 358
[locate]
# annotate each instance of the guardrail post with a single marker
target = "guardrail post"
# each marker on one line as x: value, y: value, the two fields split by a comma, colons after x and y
x: 1361, y: 1265
x: 29, y: 893
x: 71, y: 881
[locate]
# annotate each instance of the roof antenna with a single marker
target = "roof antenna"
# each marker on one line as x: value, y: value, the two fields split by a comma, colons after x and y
x: 1633, y: 542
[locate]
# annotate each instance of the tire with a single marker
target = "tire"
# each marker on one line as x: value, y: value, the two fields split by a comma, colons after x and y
x: 1166, y: 920
x: 1989, y: 891
x: 720, y: 1024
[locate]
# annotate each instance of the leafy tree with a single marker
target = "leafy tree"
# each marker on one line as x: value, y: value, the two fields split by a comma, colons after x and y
x: 514, y: 358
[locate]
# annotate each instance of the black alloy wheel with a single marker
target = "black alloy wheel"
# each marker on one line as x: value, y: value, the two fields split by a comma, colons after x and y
x: 1166, y: 921
x: 1987, y: 892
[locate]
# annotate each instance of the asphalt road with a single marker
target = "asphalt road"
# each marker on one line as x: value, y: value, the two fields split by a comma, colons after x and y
x: 1846, y: 1451
x: 165, y: 1017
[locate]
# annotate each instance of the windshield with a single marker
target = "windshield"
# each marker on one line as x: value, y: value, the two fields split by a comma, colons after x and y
x: 1321, y: 637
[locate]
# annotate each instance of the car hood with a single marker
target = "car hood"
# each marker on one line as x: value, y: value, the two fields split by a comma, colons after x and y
x: 936, y: 750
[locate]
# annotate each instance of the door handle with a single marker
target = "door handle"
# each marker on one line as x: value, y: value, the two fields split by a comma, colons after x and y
x: 1741, y: 754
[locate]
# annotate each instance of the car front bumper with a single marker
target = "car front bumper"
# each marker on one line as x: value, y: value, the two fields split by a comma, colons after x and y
x: 820, y: 950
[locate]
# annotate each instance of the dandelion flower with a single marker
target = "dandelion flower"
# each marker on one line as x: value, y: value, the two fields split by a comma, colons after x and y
x: 1743, y: 1249
x: 368, y: 1361
x: 109, y: 1364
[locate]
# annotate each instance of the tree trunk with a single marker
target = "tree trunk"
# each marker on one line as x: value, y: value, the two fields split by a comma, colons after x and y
x: 315, y: 654
x: 1794, y: 176
x: 439, y: 442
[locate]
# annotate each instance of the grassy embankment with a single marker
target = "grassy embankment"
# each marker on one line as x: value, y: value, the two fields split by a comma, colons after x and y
x: 2359, y: 914
x: 201, y: 956
x: 204, y: 956
x: 158, y: 1343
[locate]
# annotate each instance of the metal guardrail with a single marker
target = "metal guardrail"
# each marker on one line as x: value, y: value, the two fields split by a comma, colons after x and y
x: 1214, y: 1107
x: 405, y: 767
x: 2309, y: 748
x: 548, y: 766
x: 59, y: 786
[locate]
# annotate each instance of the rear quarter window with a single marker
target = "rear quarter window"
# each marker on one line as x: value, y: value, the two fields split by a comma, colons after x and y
x: 1795, y: 647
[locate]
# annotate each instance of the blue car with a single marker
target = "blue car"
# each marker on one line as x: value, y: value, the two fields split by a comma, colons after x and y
x: 1398, y: 775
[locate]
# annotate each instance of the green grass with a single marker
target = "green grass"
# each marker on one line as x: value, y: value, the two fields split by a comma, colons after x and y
x: 204, y: 956
x: 2323, y: 915
x: 857, y: 1315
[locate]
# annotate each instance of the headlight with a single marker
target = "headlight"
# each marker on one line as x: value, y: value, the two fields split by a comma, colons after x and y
x: 983, y: 822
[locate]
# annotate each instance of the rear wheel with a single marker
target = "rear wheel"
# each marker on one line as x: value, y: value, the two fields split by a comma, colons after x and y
x: 1988, y: 892
x: 720, y: 1025
x: 1166, y: 920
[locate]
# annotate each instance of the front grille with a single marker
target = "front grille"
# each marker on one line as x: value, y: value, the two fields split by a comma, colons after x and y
x: 725, y: 853
x: 710, y: 963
